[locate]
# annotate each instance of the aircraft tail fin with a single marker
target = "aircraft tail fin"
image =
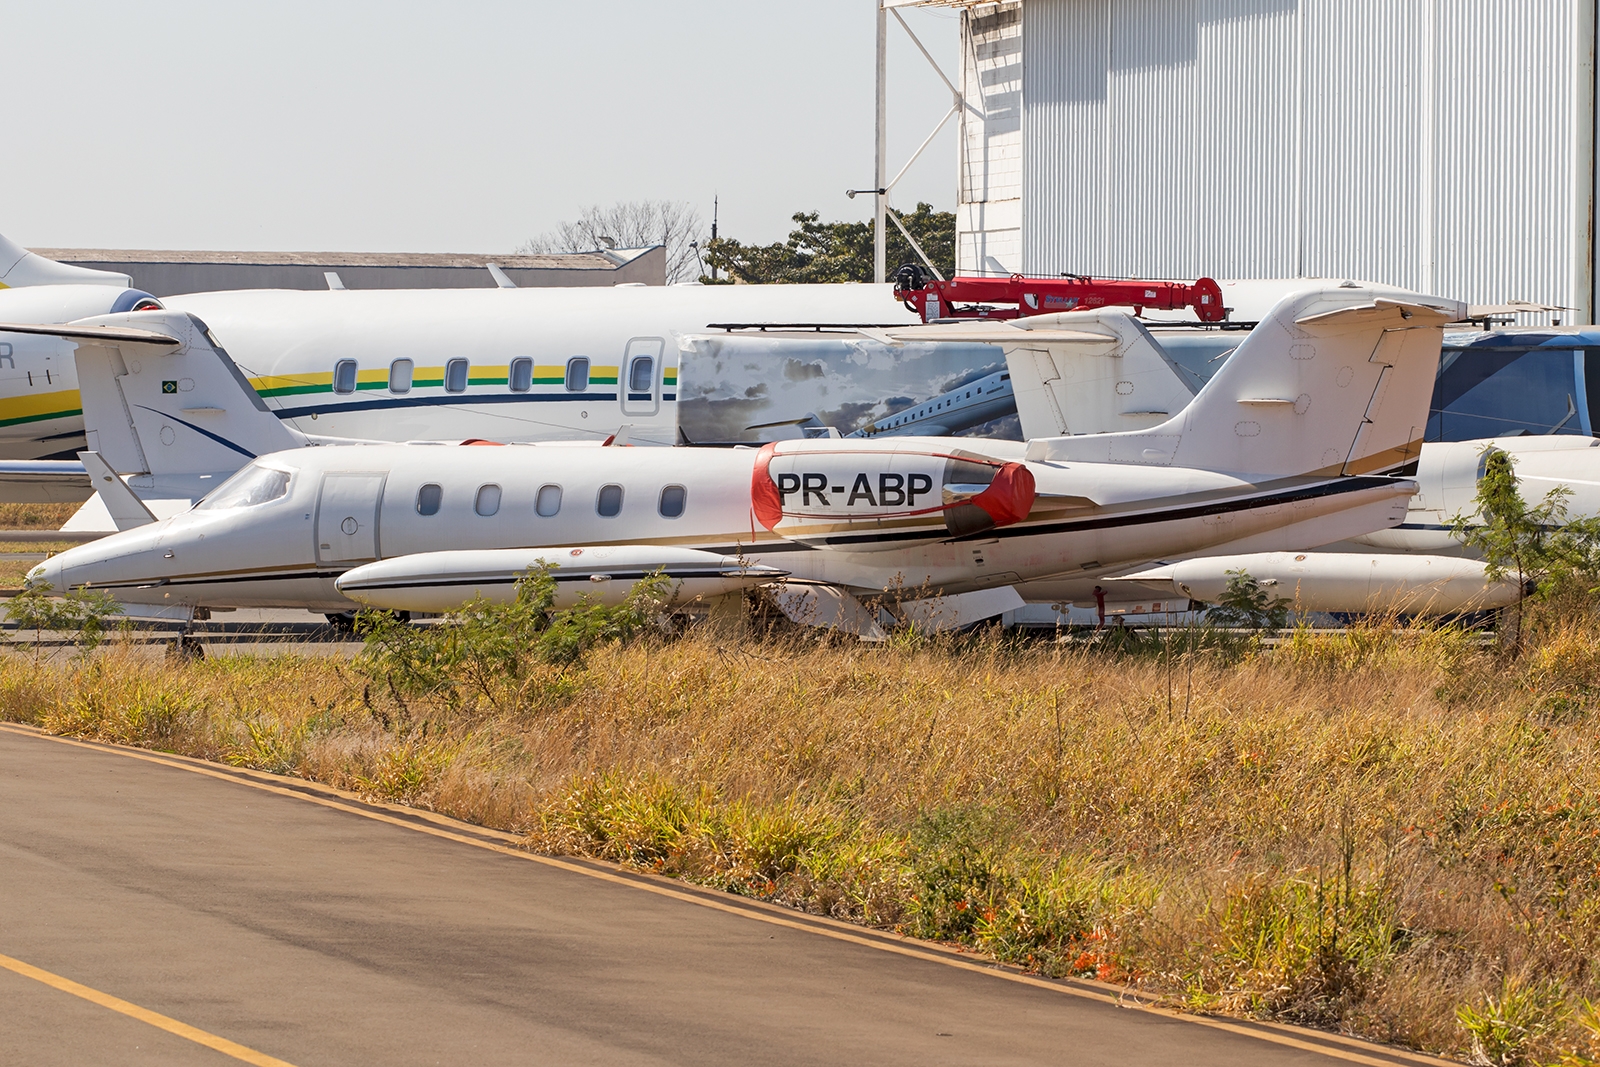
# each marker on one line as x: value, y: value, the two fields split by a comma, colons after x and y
x: 1075, y: 372
x: 1125, y: 382
x: 161, y: 397
x: 1333, y: 381
x: 20, y: 267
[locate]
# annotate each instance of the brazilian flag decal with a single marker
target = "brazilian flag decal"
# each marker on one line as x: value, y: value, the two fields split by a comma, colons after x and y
x: 169, y: 387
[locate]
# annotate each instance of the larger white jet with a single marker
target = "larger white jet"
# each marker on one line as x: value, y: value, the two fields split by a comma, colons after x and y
x: 393, y: 365
x: 1066, y: 384
x: 1279, y: 450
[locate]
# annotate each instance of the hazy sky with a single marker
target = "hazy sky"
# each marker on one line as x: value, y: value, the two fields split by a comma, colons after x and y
x: 410, y: 126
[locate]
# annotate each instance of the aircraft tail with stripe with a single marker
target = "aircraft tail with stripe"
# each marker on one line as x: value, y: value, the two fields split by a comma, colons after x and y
x: 1334, y: 381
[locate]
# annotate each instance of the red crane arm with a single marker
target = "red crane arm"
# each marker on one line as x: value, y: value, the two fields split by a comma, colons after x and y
x: 1016, y: 297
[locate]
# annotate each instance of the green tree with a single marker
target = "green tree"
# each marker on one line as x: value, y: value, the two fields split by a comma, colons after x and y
x: 1246, y: 605
x: 817, y: 251
x: 81, y: 612
x: 1536, y: 545
x: 485, y: 641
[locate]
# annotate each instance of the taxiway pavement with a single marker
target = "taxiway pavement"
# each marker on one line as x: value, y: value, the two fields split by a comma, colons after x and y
x: 298, y: 926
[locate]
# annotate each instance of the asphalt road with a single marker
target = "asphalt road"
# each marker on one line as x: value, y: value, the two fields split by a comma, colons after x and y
x: 291, y: 924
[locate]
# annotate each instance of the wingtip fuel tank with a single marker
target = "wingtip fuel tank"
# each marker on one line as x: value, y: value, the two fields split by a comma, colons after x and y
x: 1354, y: 582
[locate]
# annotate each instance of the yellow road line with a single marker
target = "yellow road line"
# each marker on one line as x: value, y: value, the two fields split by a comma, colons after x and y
x: 1272, y: 1033
x: 144, y: 1015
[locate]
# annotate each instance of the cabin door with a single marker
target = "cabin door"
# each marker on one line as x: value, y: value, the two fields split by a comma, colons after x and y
x: 639, y: 378
x: 347, y: 517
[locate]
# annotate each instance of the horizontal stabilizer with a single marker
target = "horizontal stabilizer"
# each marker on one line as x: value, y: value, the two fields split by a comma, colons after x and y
x: 105, y: 335
x: 996, y: 332
x: 1385, y: 313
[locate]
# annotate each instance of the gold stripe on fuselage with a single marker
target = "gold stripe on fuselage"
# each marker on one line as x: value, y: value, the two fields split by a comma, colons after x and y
x: 1388, y: 459
x: 38, y: 407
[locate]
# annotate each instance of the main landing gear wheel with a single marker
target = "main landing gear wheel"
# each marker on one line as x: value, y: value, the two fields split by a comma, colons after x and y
x: 345, y: 621
x: 186, y: 647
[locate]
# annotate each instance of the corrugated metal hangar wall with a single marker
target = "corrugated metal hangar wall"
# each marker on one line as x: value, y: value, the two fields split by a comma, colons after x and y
x: 1441, y: 145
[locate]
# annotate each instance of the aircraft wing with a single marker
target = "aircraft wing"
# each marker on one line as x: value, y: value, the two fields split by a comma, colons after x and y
x: 445, y: 580
x: 44, y: 481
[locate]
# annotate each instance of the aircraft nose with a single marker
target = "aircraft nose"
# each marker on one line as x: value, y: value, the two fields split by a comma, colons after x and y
x: 120, y: 560
x: 50, y: 574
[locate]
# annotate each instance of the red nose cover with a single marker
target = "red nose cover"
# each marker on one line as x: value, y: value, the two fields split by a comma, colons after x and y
x: 764, y: 499
x: 1009, y: 497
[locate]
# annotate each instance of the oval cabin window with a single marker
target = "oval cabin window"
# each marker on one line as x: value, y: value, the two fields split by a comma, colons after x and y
x: 577, y: 374
x: 521, y: 376
x: 548, y: 502
x: 400, y: 372
x: 455, y: 376
x: 428, y: 498
x: 672, y: 500
x: 344, y: 376
x: 641, y: 374
x: 488, y: 501
x: 609, y: 502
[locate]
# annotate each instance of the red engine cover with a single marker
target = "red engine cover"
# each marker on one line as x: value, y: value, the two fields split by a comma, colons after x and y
x: 868, y: 498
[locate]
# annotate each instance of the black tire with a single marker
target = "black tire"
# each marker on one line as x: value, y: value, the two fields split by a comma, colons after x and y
x: 342, y: 621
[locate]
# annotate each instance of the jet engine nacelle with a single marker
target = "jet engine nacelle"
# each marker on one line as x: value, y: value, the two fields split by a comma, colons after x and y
x: 1342, y: 581
x: 878, y: 499
x: 606, y: 574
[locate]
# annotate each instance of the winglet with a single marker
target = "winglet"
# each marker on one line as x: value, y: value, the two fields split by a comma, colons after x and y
x: 501, y: 278
x: 20, y: 267
x: 127, y: 510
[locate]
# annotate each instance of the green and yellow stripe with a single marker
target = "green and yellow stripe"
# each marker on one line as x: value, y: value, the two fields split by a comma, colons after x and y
x: 40, y: 407
x: 294, y: 385
x: 274, y: 385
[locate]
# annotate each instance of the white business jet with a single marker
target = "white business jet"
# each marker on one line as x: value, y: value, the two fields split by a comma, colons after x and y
x: 390, y: 365
x: 1065, y: 386
x: 1279, y: 450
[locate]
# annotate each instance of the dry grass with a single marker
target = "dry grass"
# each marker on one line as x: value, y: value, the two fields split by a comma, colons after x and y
x: 1390, y: 835
x: 35, y: 516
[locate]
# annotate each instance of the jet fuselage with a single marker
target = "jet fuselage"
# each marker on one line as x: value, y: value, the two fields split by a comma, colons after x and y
x: 396, y: 365
x: 289, y: 524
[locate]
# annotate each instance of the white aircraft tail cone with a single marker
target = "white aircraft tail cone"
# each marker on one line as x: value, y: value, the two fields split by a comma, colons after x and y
x: 444, y: 581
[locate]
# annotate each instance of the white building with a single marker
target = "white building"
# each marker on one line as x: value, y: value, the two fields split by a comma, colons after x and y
x: 1442, y: 145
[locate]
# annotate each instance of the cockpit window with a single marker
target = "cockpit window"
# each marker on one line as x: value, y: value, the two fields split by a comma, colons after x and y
x: 251, y: 486
x: 1495, y: 390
